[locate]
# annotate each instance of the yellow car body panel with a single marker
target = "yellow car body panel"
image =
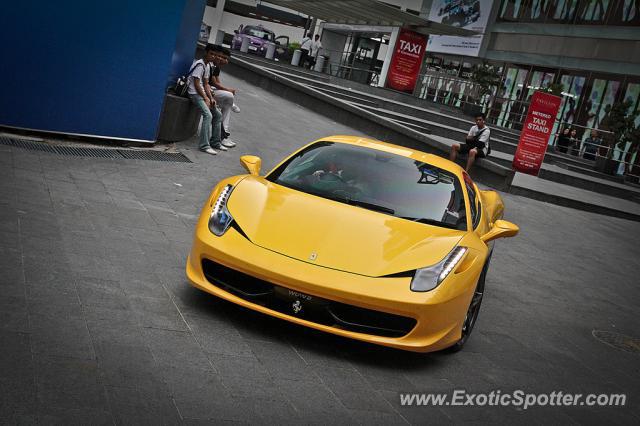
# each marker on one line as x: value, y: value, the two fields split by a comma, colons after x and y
x: 345, y: 254
x: 341, y: 237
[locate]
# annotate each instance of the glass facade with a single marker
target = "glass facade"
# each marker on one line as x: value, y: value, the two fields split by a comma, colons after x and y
x: 586, y: 96
x: 581, y: 12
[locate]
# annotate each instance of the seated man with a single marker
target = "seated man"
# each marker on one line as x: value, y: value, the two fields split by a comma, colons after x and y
x: 224, y: 96
x: 200, y: 96
x: 476, y: 144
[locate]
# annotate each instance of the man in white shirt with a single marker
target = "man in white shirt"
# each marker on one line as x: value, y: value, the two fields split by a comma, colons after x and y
x: 305, y: 45
x: 316, y: 45
x: 476, y: 144
x: 199, y: 94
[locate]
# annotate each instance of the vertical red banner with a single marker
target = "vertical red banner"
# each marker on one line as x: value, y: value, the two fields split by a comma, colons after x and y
x: 406, y: 61
x: 535, y: 134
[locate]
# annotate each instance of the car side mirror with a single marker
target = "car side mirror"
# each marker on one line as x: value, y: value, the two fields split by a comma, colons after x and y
x: 251, y: 163
x: 500, y: 229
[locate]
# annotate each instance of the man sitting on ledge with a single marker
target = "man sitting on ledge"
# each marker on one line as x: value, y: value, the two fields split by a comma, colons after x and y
x: 476, y: 144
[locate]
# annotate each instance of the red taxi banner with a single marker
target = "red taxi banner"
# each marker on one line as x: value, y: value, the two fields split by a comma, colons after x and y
x: 406, y: 61
x: 535, y: 133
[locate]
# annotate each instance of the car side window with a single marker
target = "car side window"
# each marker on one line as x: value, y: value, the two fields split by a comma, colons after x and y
x: 474, y: 202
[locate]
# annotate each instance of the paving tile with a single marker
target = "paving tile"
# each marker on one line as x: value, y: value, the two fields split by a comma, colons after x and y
x: 197, y: 393
x: 102, y: 293
x: 61, y: 336
x: 127, y: 366
x: 133, y: 406
x: 218, y: 336
x: 64, y: 383
x: 65, y: 416
x: 157, y: 313
x: 176, y: 348
x: 282, y: 361
x: 353, y: 391
x: 113, y: 326
x: 306, y: 396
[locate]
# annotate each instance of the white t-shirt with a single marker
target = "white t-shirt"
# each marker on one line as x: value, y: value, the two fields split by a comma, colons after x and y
x: 306, y: 43
x: 315, y: 48
x: 484, y: 137
x: 200, y: 70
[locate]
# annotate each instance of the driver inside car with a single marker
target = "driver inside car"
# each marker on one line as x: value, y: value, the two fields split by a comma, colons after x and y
x: 328, y: 176
x: 336, y: 177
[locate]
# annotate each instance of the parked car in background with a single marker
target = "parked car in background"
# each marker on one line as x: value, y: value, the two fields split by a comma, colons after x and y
x: 258, y: 37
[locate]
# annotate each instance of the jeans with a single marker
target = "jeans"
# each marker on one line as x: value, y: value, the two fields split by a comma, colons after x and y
x: 211, y: 122
x: 216, y: 127
x: 205, y: 130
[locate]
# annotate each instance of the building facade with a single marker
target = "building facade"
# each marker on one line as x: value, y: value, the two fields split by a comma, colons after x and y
x: 590, y: 48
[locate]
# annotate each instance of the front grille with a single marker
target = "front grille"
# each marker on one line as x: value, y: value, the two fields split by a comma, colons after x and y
x: 310, y: 308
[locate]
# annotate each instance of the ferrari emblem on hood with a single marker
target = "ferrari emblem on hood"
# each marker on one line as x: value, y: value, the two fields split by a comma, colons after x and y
x: 313, y: 256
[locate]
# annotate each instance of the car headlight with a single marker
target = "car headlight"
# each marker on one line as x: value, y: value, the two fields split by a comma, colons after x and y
x: 220, y: 218
x: 426, y: 279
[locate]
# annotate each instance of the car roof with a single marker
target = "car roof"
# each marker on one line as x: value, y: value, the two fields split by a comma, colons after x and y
x: 258, y: 27
x: 414, y: 154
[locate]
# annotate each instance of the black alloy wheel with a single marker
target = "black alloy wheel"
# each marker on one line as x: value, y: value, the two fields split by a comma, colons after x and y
x: 474, y: 309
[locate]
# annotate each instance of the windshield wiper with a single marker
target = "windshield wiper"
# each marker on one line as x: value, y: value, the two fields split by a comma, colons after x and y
x: 370, y: 206
x: 430, y: 222
x: 345, y: 200
x: 354, y: 202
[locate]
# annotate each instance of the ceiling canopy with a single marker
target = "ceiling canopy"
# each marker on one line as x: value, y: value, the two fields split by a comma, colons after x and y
x: 369, y: 12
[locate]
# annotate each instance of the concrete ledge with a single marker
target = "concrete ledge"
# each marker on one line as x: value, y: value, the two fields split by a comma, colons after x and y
x: 576, y: 198
x: 486, y: 172
x: 574, y: 204
x: 179, y: 119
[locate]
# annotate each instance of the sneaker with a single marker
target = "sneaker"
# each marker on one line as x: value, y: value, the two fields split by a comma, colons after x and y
x: 235, y: 108
x: 228, y: 143
x: 220, y: 147
x: 209, y: 151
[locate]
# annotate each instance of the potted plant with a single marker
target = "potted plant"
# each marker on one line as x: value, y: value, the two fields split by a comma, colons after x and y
x: 621, y: 123
x: 485, y: 78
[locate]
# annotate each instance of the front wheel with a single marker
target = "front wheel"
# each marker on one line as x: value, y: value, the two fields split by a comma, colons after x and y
x: 474, y: 309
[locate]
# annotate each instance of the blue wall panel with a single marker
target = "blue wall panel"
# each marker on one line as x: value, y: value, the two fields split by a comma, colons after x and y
x: 99, y: 68
x: 185, y: 50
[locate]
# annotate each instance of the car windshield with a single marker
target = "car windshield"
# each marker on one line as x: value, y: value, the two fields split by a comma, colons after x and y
x: 260, y: 33
x: 376, y: 180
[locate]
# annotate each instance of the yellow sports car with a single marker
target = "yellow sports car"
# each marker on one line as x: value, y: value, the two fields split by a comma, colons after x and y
x: 354, y: 237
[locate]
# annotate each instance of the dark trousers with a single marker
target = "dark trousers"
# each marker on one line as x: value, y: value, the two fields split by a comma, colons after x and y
x: 303, y: 58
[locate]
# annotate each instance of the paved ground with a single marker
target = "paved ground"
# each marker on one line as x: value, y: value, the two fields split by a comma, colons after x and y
x: 98, y: 324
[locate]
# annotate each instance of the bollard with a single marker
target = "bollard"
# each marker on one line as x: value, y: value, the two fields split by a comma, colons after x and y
x: 271, y: 50
x: 319, y: 63
x: 295, y: 60
x: 244, y: 48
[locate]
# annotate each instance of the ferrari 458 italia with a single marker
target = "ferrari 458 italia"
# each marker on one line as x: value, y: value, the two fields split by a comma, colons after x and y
x: 354, y: 237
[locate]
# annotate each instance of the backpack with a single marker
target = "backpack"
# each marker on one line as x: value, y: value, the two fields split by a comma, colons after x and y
x: 483, y: 144
x: 181, y: 87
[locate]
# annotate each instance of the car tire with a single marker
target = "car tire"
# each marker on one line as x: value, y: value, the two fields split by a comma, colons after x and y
x: 473, y: 311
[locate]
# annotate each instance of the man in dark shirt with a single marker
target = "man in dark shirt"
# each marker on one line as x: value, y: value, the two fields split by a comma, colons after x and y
x: 590, y: 145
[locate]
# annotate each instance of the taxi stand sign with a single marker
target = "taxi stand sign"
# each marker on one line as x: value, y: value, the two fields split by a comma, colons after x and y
x: 535, y: 133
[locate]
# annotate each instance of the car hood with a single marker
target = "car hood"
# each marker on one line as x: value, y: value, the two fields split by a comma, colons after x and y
x: 256, y: 40
x: 333, y: 234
